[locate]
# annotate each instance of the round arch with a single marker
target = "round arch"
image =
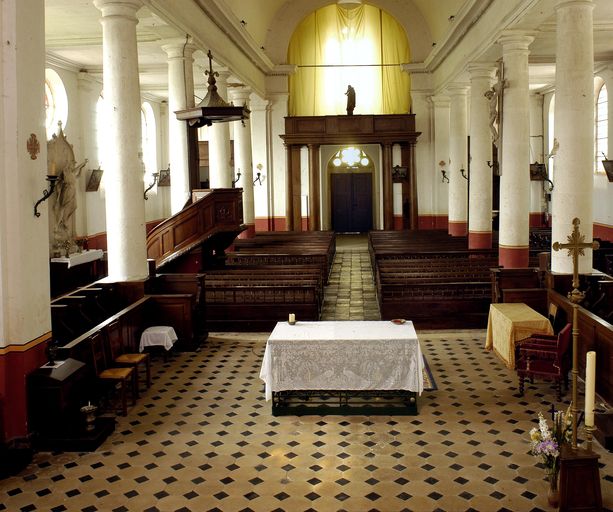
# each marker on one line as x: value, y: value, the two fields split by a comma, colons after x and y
x: 293, y: 12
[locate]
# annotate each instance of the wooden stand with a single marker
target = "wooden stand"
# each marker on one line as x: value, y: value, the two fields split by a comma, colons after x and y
x: 579, y: 480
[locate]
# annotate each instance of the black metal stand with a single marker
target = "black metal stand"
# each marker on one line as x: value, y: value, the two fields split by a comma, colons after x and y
x: 346, y: 403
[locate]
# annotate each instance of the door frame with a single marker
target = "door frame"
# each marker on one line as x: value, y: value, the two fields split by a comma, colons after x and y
x: 327, y: 168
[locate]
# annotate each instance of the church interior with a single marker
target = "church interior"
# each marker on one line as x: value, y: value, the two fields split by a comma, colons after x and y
x: 308, y: 255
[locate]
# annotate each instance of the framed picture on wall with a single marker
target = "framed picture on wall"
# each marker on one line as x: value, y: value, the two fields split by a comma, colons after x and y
x: 93, y: 184
x: 164, y: 179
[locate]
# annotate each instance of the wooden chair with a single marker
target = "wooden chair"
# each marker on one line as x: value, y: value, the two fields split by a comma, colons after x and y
x: 546, y: 356
x: 122, y: 358
x: 119, y: 378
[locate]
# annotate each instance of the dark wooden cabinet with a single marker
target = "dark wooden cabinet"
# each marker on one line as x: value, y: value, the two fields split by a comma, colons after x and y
x: 55, y: 396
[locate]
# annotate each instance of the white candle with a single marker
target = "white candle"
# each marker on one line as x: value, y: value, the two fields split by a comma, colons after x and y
x: 590, y: 388
x: 292, y: 318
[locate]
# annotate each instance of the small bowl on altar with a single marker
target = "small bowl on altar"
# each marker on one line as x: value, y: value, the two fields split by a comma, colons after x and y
x: 399, y: 321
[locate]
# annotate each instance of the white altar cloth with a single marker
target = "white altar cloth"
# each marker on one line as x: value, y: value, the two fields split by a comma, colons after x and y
x: 78, y: 258
x: 158, y: 336
x: 344, y: 355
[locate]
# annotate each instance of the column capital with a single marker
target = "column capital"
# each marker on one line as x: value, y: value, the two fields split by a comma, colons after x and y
x: 481, y: 70
x: 239, y: 94
x: 457, y: 89
x: 515, y: 40
x: 258, y: 104
x: 561, y: 4
x: 122, y: 8
x: 178, y: 48
x: 440, y: 100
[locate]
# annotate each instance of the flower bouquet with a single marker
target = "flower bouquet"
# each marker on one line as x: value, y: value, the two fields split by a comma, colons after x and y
x: 545, y: 442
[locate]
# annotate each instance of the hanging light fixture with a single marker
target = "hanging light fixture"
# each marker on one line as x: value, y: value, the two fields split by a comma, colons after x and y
x: 213, y: 108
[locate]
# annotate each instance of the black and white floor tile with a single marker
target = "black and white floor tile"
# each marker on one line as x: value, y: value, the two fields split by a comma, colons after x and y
x: 203, y: 439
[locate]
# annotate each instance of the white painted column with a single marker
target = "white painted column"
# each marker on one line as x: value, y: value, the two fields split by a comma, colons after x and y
x: 537, y: 197
x: 123, y: 173
x: 574, y: 130
x: 90, y: 214
x: 25, y: 316
x: 427, y: 174
x: 515, y: 178
x: 260, y: 149
x: 441, y: 162
x: 220, y: 173
x: 243, y: 160
x: 458, y: 154
x: 278, y: 165
x: 180, y: 97
x: 480, y: 200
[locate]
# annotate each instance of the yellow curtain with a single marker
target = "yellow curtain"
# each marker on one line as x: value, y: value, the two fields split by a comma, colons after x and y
x: 335, y: 47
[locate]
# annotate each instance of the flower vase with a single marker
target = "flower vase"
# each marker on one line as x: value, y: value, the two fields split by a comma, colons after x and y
x: 553, y: 494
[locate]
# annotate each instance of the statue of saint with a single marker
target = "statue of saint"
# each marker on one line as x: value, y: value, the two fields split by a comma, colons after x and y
x: 66, y: 203
x: 350, y: 100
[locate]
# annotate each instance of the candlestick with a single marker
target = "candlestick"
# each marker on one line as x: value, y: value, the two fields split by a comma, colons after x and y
x: 590, y: 388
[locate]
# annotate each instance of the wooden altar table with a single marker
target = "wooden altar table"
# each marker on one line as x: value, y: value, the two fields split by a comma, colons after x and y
x: 356, y: 367
x: 510, y: 322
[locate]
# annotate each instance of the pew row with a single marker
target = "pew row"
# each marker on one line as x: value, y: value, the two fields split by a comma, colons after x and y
x: 256, y: 297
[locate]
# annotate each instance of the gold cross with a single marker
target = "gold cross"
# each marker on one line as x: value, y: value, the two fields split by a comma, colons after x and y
x: 575, y: 248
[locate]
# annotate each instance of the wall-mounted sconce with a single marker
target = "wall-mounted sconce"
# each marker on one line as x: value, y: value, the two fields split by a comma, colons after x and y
x: 259, y: 178
x: 463, y: 173
x: 238, y: 177
x: 442, y: 164
x: 155, y: 179
x: 52, y: 179
x: 494, y: 166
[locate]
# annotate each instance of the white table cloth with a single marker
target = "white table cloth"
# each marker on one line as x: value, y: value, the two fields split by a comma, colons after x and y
x: 344, y: 355
x: 78, y: 258
x: 158, y: 336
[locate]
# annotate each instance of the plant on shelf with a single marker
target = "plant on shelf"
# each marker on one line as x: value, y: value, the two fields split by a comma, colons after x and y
x: 546, y: 442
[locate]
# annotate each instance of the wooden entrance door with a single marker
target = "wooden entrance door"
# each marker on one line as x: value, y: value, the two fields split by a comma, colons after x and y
x: 352, y: 202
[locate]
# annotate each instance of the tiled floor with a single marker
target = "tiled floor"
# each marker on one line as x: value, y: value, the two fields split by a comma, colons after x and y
x: 203, y: 438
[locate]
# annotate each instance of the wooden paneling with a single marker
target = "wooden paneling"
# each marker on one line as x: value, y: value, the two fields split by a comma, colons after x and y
x: 219, y: 210
x: 594, y: 334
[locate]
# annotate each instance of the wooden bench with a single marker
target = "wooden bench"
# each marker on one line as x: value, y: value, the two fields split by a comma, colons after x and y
x: 256, y: 297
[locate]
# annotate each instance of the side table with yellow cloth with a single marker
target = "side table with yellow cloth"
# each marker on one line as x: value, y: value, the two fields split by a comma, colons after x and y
x: 510, y: 322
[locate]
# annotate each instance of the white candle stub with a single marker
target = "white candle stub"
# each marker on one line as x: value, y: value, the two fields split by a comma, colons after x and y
x: 590, y: 388
x: 292, y: 318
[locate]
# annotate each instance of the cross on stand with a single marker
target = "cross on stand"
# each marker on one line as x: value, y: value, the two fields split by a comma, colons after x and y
x: 575, y: 247
x: 582, y: 464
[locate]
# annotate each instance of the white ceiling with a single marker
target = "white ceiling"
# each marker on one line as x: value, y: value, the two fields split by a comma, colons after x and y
x: 74, y: 34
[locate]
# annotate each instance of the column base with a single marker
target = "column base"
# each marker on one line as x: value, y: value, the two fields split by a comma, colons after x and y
x: 249, y: 232
x: 513, y: 257
x: 480, y: 240
x: 458, y: 228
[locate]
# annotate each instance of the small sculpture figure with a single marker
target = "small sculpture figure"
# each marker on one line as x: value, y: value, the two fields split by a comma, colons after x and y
x: 494, y: 97
x: 350, y: 100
